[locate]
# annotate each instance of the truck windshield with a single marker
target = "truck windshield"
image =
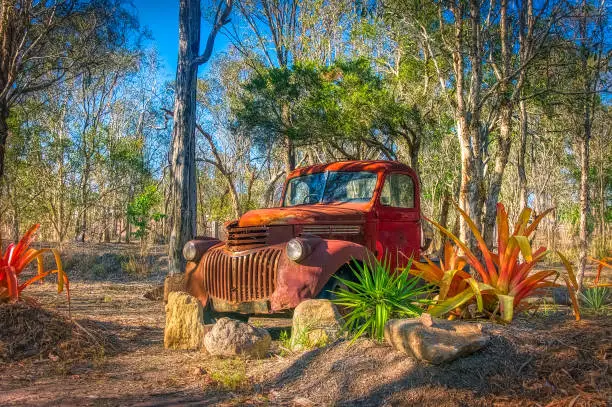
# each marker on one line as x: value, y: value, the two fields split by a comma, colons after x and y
x: 330, y: 187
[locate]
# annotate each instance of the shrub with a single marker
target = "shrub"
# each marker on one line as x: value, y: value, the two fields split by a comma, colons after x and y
x: 595, y: 298
x: 507, y: 278
x: 377, y: 295
x: 17, y: 257
x: 230, y: 374
x: 136, y: 266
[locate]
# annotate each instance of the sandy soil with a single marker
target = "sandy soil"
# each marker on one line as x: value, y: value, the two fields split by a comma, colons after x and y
x: 543, y: 359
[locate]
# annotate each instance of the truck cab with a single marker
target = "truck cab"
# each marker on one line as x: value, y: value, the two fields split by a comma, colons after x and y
x: 329, y: 215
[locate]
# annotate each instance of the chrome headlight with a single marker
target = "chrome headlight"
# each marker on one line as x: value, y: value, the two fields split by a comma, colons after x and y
x: 297, y: 249
x: 190, y: 251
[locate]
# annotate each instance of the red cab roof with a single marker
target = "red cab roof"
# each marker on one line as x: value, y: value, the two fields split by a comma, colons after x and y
x: 372, y: 166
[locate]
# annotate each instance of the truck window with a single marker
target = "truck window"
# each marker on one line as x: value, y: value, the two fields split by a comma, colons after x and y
x: 398, y: 191
x: 349, y: 187
x: 331, y: 187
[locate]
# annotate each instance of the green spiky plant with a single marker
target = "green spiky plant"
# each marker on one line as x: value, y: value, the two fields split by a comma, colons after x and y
x: 378, y: 294
x: 595, y: 298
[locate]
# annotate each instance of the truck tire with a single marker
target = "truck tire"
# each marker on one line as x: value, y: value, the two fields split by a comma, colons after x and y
x: 333, y: 285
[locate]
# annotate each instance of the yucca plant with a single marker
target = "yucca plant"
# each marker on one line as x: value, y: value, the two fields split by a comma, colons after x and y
x: 507, y: 276
x: 378, y: 294
x: 595, y: 298
x: 456, y: 286
x: 17, y: 257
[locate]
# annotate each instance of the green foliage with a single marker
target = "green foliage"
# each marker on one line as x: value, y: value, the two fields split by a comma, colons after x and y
x: 230, y: 374
x: 378, y: 294
x: 310, y: 103
x: 141, y: 211
x: 595, y: 298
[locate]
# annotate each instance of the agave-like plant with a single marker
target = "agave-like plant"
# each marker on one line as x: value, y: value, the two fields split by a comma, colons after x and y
x: 456, y: 286
x: 508, y: 279
x: 378, y: 294
x: 17, y: 257
x: 595, y: 298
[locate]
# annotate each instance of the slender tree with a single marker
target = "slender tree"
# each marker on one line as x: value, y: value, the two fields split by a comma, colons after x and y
x: 184, y: 185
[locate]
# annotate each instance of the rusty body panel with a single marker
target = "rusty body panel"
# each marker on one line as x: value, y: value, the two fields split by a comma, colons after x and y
x: 251, y: 270
x: 268, y: 274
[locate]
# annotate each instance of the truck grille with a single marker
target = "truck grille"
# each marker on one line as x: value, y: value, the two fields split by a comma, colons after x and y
x: 242, y: 278
x: 239, y: 239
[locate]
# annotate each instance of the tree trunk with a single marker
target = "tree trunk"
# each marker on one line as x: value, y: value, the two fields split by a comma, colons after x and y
x: 522, y: 176
x: 471, y: 194
x: 289, y: 148
x: 584, y: 194
x: 415, y: 148
x: 235, y: 198
x: 501, y: 159
x: 184, y: 187
x: 4, y: 131
x: 289, y: 155
x: 584, y: 203
x: 15, y: 227
x: 446, y: 200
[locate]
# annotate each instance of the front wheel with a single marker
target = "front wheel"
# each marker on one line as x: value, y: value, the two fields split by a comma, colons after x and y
x: 333, y: 286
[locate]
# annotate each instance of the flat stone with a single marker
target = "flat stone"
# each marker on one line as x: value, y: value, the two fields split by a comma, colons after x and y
x: 229, y: 337
x: 433, y: 340
x: 315, y: 323
x: 185, y: 328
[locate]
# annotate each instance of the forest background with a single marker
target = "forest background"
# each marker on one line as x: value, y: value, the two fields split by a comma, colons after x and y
x: 498, y: 100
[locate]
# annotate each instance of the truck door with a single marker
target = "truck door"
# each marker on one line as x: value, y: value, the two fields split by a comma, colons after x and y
x: 399, y: 229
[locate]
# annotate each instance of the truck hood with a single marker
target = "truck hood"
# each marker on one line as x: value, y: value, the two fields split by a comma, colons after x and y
x: 305, y: 214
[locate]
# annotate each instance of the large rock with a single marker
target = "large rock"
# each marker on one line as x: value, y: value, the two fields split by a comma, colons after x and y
x: 434, y: 340
x: 315, y: 323
x: 174, y: 283
x: 229, y: 337
x: 185, y: 327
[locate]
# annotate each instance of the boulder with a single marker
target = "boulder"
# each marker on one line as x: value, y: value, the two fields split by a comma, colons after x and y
x: 229, y: 337
x: 434, y: 341
x: 315, y: 323
x: 185, y: 328
x: 174, y: 283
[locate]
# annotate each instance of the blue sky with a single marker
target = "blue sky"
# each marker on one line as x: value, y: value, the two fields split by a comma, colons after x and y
x: 161, y: 18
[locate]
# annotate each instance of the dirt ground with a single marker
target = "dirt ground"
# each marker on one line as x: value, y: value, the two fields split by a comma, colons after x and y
x: 542, y: 359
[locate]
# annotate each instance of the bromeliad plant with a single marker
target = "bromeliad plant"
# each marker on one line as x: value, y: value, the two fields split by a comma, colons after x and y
x: 377, y: 295
x: 456, y: 286
x: 17, y: 257
x: 603, y: 263
x: 507, y: 278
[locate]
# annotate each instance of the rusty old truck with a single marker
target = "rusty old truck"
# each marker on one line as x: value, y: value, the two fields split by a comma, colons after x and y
x: 329, y: 215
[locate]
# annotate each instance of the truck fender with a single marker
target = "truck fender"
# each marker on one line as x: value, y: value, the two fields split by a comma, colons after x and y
x: 194, y: 271
x: 297, y: 282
